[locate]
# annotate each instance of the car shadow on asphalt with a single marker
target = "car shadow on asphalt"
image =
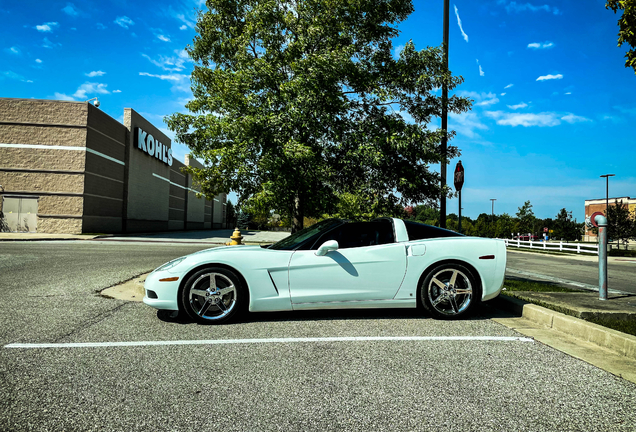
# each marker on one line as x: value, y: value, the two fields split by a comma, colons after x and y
x: 485, y: 311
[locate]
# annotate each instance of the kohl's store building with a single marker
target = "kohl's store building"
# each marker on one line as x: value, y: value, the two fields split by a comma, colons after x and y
x: 67, y: 167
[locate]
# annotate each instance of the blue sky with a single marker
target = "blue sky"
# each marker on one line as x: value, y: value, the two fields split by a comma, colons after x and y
x: 554, y: 105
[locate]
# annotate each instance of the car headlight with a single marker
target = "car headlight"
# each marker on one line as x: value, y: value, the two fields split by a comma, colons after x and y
x: 170, y: 264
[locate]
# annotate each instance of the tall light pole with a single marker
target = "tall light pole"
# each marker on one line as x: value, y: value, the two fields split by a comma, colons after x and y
x: 607, y: 176
x: 442, y: 203
x: 492, y: 200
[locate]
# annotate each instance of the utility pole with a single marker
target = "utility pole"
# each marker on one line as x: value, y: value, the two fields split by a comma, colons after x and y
x: 442, y: 203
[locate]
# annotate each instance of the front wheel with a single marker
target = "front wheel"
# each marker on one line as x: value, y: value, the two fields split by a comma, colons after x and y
x: 449, y: 291
x: 212, y: 295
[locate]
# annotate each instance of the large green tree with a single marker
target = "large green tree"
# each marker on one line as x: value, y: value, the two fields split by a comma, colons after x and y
x: 525, y: 219
x: 565, y: 228
x: 297, y: 103
x: 627, y: 27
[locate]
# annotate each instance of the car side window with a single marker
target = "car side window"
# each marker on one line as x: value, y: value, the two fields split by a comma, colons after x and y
x: 360, y: 234
x: 420, y: 231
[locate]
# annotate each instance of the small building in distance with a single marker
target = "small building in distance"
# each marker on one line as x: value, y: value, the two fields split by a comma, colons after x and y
x: 598, y: 205
x: 67, y: 167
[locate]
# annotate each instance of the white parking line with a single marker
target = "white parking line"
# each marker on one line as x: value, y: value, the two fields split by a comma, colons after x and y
x: 269, y: 340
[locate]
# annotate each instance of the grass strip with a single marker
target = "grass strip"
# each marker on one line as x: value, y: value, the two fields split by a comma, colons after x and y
x: 525, y: 285
x: 512, y: 285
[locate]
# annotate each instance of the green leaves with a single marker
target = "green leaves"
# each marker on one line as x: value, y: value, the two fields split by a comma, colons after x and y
x: 627, y: 27
x: 302, y: 106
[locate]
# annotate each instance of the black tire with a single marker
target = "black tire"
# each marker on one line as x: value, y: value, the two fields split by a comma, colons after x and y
x: 213, y: 305
x: 449, y: 291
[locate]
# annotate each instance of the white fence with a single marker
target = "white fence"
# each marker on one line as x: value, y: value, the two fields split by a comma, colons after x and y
x: 554, y: 246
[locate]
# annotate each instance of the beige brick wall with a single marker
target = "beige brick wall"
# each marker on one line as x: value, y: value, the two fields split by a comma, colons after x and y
x: 43, y: 112
x: 46, y: 135
x: 42, y: 182
x: 42, y: 159
x: 60, y: 205
x: 148, y: 195
x: 61, y: 225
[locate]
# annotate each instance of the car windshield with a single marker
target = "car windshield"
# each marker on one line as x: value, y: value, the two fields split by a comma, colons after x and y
x: 295, y: 240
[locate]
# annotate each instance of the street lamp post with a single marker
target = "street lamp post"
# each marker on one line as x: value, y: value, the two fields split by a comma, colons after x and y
x: 492, y: 220
x: 607, y: 176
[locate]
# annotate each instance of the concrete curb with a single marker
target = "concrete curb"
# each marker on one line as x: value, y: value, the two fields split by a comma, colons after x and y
x: 613, y: 340
x: 33, y: 239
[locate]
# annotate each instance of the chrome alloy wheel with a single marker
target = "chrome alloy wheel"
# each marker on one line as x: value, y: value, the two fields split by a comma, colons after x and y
x: 212, y: 296
x: 449, y: 292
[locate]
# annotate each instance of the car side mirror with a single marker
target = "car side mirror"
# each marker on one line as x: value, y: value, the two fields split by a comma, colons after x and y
x: 326, y: 247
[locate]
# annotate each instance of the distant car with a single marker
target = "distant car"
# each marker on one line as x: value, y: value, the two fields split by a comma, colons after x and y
x: 335, y: 264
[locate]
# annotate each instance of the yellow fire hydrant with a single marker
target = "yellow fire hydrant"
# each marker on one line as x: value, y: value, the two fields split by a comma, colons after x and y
x: 235, y: 238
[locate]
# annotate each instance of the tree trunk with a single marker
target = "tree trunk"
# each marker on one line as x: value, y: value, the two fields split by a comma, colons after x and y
x: 298, y: 215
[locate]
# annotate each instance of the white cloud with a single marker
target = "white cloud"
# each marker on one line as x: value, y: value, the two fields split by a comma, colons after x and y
x: 183, y: 27
x: 518, y: 106
x: 502, y: 94
x: 625, y: 110
x: 526, y: 120
x: 611, y: 118
x: 541, y: 45
x: 38, y: 61
x: 116, y: 91
x: 163, y: 38
x: 508, y: 86
x: 513, y: 6
x: 481, y: 71
x: 466, y: 124
x: 188, y: 21
x: 545, y: 119
x: 181, y: 82
x: 62, y: 96
x: 46, y: 27
x: 568, y: 93
x: 95, y: 73
x: 550, y: 77
x: 70, y: 9
x: 100, y: 26
x: 171, y: 63
x: 571, y: 118
x: 487, y: 102
x: 89, y: 88
x: 14, y: 50
x: 48, y: 44
x: 14, y: 76
x: 171, y: 77
x: 459, y: 23
x: 124, y: 21
x: 481, y: 99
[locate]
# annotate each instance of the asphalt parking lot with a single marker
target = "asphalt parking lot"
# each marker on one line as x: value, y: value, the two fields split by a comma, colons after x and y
x: 353, y: 370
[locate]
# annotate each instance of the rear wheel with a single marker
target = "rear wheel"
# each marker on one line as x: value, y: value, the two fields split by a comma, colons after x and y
x: 449, y: 291
x: 212, y: 295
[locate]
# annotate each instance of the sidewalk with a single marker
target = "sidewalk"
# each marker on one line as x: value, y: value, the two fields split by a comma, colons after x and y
x: 559, y: 320
x: 219, y: 237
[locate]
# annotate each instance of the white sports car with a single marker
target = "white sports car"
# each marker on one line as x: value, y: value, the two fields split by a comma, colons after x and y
x: 335, y: 264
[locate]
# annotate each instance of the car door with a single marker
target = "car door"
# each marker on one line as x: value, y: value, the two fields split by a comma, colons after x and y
x: 367, y: 266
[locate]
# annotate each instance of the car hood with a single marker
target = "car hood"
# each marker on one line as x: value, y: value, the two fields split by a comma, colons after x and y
x: 227, y: 249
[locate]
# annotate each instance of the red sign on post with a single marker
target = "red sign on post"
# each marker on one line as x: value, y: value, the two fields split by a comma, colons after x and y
x: 459, y: 176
